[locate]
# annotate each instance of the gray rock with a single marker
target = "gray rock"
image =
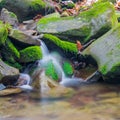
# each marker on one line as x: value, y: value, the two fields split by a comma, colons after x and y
x: 106, y: 52
x: 9, y: 17
x: 24, y: 38
x: 26, y: 9
x: 93, y: 22
x: 6, y: 70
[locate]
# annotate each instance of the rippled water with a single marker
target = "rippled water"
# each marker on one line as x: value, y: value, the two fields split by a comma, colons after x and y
x: 91, y: 102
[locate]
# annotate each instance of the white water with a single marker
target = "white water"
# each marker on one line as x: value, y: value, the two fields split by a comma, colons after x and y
x: 68, y: 82
x: 24, y: 81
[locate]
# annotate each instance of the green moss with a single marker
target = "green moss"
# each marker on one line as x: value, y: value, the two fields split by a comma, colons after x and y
x: 15, y: 64
x: 68, y: 69
x: 12, y: 49
x: 3, y: 33
x: 96, y: 10
x: 37, y: 4
x: 9, y: 52
x: 30, y: 54
x: 50, y: 71
x: 66, y: 46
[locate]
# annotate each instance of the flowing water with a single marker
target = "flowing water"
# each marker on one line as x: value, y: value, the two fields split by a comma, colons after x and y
x: 98, y: 101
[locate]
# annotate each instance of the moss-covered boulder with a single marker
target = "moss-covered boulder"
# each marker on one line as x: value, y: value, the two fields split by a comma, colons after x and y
x: 93, y: 22
x: 67, y: 68
x: 106, y: 51
x: 9, y: 52
x: 63, y: 47
x: 26, y: 9
x: 9, y: 17
x: 51, y: 71
x: 3, y: 33
x: 30, y: 54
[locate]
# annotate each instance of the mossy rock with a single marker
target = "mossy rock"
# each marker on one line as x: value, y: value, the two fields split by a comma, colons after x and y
x: 30, y: 54
x: 9, y: 52
x: 105, y: 51
x: 51, y: 71
x: 68, y: 69
x: 91, y: 23
x: 3, y: 33
x: 26, y: 9
x: 64, y: 47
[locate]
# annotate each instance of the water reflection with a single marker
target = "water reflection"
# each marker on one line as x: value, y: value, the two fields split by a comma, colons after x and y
x: 97, y: 101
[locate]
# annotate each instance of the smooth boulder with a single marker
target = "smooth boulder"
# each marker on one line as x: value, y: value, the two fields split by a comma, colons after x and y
x: 6, y: 70
x: 106, y: 52
x: 88, y: 24
x: 26, y: 9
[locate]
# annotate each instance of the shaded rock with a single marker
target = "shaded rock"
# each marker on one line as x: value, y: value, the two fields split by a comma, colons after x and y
x: 105, y: 51
x: 6, y: 70
x: 23, y: 38
x: 10, y: 91
x: 3, y: 33
x: 54, y: 43
x: 93, y: 22
x: 30, y: 54
x: 9, y: 17
x: 26, y: 9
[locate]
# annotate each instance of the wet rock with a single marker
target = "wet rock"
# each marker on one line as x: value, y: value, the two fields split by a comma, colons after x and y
x: 10, y: 91
x: 26, y: 9
x: 93, y: 22
x: 6, y: 70
x: 68, y: 69
x: 9, y: 17
x: 105, y: 51
x: 41, y: 81
x: 30, y: 54
x: 23, y: 38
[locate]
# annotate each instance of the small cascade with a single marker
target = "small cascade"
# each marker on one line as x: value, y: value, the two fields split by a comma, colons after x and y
x: 68, y: 82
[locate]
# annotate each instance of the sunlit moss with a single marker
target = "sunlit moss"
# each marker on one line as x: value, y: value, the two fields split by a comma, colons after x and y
x: 30, y: 54
x: 66, y: 46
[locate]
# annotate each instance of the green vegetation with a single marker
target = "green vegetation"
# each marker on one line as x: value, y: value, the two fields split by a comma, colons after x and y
x: 30, y: 54
x: 64, y: 45
x: 3, y: 33
x: 37, y: 4
x: 9, y: 52
x: 68, y: 69
x: 50, y: 71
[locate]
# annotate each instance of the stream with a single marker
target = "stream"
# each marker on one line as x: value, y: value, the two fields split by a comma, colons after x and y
x: 96, y: 101
x: 91, y: 102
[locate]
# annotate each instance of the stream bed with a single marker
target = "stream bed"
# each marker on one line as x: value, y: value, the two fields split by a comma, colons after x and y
x: 98, y: 101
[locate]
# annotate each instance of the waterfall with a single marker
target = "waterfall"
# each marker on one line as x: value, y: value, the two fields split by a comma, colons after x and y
x: 68, y: 82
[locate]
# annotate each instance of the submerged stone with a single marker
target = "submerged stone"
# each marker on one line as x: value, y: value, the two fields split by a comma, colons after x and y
x: 105, y: 51
x: 93, y: 22
x: 30, y: 54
